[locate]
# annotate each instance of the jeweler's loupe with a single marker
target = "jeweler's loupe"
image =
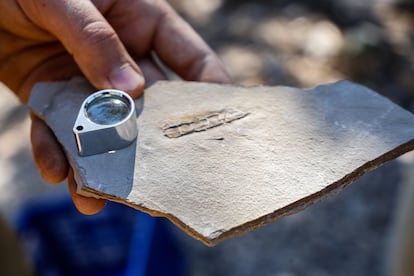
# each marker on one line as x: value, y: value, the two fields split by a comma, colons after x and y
x: 106, y: 122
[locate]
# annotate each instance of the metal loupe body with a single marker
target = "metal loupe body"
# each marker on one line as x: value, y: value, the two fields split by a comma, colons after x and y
x: 106, y: 122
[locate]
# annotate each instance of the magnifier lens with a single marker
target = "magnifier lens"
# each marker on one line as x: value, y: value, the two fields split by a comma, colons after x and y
x: 108, y: 110
x: 106, y: 122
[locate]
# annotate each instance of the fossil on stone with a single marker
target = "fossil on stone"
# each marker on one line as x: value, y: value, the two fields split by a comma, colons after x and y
x: 200, y: 122
x: 238, y: 172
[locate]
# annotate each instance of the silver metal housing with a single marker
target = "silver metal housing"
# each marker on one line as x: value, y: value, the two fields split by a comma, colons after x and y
x: 106, y: 122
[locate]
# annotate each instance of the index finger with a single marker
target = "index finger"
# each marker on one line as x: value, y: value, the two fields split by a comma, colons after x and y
x: 185, y: 52
x: 144, y: 26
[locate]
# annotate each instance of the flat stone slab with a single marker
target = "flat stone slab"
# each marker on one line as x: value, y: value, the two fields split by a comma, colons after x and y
x: 221, y: 160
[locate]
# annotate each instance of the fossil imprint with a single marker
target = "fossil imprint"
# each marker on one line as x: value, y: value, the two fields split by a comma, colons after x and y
x: 201, y: 122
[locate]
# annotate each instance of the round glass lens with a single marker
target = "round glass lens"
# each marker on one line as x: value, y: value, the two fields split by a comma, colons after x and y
x: 107, y: 110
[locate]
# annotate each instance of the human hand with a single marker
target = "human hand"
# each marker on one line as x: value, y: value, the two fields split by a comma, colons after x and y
x: 108, y: 41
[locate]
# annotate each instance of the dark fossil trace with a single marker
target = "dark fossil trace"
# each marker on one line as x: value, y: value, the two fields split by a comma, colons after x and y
x: 201, y: 122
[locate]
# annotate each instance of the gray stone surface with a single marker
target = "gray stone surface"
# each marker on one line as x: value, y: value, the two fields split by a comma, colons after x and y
x: 224, y: 177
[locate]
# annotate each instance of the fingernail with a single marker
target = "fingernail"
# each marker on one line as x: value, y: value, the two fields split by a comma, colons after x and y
x: 125, y: 78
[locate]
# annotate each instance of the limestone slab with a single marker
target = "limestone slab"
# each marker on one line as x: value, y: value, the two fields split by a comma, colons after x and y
x: 221, y: 160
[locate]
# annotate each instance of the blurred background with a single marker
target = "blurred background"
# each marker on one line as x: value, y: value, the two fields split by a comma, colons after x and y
x: 295, y: 43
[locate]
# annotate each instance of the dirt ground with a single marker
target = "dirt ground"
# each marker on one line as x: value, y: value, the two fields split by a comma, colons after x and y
x: 296, y: 43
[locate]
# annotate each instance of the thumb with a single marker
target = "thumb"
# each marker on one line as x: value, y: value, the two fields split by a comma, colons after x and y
x: 94, y: 44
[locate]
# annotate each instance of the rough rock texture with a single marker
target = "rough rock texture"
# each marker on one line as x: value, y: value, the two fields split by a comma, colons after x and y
x: 238, y: 158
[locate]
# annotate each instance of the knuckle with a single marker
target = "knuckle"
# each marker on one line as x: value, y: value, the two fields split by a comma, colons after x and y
x: 98, y: 33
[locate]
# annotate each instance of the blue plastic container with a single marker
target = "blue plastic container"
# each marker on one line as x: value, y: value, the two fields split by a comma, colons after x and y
x: 117, y: 241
